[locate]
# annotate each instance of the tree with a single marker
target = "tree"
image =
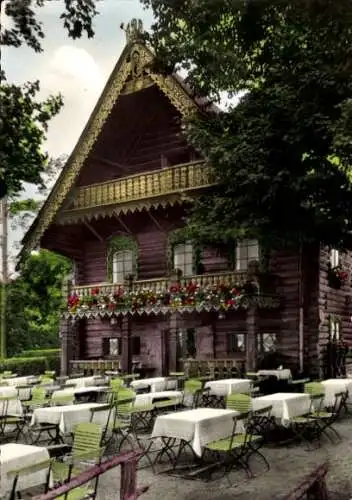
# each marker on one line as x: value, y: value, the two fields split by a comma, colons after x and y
x: 34, y: 302
x: 23, y: 120
x: 282, y: 156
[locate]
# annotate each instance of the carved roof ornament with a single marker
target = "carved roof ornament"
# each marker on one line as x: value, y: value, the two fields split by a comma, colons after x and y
x: 134, y: 30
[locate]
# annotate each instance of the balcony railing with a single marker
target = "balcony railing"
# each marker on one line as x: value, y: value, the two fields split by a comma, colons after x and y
x: 158, y: 183
x: 162, y: 284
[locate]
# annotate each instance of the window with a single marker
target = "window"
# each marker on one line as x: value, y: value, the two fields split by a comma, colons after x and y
x: 135, y: 346
x: 237, y: 342
x: 334, y: 329
x: 112, y: 346
x: 334, y: 257
x: 266, y: 342
x: 122, y: 265
x: 187, y: 341
x: 183, y: 258
x: 246, y: 251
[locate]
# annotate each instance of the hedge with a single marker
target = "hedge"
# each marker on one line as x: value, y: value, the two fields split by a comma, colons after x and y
x: 28, y: 366
x: 34, y: 353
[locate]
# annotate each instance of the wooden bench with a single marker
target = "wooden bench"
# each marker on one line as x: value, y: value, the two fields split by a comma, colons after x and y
x: 313, y: 487
x: 128, y: 483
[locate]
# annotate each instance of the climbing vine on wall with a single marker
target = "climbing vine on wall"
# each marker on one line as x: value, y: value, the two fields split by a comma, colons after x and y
x: 179, y: 237
x: 121, y: 244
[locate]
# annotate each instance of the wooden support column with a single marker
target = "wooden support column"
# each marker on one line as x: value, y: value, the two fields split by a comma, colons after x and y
x: 67, y: 336
x: 126, y: 351
x: 251, y: 347
x: 173, y: 331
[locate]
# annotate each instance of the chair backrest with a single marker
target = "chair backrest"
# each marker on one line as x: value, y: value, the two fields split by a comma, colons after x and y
x: 87, y: 437
x: 4, y: 403
x: 239, y: 402
x: 316, y: 402
x: 192, y: 386
x: 16, y: 474
x: 116, y: 384
x: 314, y: 388
x: 39, y: 394
x: 58, y: 399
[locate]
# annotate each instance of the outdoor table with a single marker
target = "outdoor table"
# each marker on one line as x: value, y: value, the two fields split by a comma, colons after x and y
x: 196, y: 427
x: 14, y: 456
x: 333, y: 386
x: 152, y: 397
x: 228, y: 386
x: 14, y: 382
x: 80, y: 391
x: 81, y: 381
x: 155, y: 384
x: 67, y: 417
x: 284, y: 405
x: 280, y: 374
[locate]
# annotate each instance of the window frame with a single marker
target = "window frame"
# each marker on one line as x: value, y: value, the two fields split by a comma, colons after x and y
x: 334, y: 258
x: 245, y: 245
x: 334, y: 329
x: 188, y: 257
x: 260, y: 342
x: 233, y: 343
x: 106, y: 348
x: 124, y: 273
x: 120, y: 245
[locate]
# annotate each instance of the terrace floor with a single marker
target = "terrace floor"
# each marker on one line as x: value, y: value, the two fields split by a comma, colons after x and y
x: 288, y: 465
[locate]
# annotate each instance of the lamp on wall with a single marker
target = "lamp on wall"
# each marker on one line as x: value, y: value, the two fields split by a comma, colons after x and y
x: 113, y: 321
x: 221, y: 315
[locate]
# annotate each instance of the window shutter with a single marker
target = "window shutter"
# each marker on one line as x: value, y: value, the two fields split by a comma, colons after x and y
x: 135, y: 346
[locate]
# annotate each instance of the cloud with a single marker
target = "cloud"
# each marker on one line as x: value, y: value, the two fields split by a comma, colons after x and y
x: 73, y: 72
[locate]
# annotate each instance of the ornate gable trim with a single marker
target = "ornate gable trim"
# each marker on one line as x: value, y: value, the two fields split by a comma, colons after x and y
x: 169, y: 85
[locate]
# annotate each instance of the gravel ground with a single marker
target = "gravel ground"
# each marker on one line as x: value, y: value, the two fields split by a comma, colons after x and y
x: 288, y: 465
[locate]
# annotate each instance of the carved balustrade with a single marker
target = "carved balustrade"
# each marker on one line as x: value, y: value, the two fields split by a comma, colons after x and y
x: 213, y: 368
x: 162, y: 284
x: 154, y: 184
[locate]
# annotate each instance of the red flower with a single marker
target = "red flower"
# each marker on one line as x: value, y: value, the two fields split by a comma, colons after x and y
x: 95, y: 291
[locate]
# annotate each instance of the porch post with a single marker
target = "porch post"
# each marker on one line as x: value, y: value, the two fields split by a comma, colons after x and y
x: 67, y: 333
x: 173, y: 342
x: 251, y: 348
x: 126, y: 353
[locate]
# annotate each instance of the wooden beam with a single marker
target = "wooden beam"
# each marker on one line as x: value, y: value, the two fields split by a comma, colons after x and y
x: 126, y: 228
x: 96, y: 234
x: 110, y: 163
x: 156, y: 222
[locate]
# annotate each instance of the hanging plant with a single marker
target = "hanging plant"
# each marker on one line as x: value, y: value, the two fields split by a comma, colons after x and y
x: 336, y: 276
x: 121, y: 244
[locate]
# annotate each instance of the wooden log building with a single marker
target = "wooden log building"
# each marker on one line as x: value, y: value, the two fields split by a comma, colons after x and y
x: 139, y: 293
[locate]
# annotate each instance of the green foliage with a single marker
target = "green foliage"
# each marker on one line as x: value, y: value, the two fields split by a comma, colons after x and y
x: 25, y: 366
x: 77, y: 17
x: 283, y: 155
x: 46, y: 353
x: 24, y: 122
x: 34, y: 303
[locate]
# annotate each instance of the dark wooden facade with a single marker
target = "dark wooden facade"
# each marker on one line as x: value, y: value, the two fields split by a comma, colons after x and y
x: 133, y: 175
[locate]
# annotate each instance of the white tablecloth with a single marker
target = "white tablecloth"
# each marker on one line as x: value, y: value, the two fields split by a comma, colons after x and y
x: 14, y: 456
x: 333, y: 386
x: 67, y: 417
x: 14, y: 382
x: 82, y: 381
x: 199, y: 426
x: 156, y: 384
x: 14, y: 406
x: 72, y: 391
x: 285, y: 405
x: 150, y: 397
x: 228, y: 386
x: 284, y: 374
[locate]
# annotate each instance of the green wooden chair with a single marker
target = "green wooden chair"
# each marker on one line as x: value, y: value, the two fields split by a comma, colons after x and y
x: 38, y: 400
x: 86, y: 446
x: 237, y: 448
x: 192, y: 393
x: 326, y: 419
x: 239, y: 402
x: 21, y: 473
x: 10, y: 424
x: 306, y: 426
x: 58, y: 399
x: 314, y: 388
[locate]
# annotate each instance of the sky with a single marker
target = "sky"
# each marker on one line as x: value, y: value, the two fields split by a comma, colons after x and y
x: 78, y: 69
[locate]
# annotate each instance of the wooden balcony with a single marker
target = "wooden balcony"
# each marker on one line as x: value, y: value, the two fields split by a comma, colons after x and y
x: 147, y: 185
x: 162, y: 284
